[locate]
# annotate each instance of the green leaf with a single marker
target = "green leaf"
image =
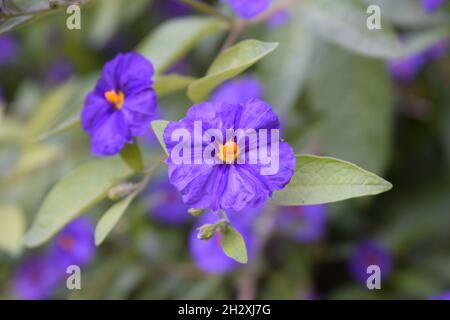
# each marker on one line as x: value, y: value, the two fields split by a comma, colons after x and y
x: 107, y: 20
x: 344, y: 23
x: 233, y: 244
x: 81, y: 189
x: 110, y: 218
x: 12, y: 227
x: 284, y: 72
x: 174, y: 38
x: 319, y: 180
x: 229, y: 64
x: 352, y: 92
x: 131, y: 154
x: 167, y: 84
x: 158, y: 127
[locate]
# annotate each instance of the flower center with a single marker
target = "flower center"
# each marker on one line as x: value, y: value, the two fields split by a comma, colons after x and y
x: 228, y: 152
x: 116, y: 98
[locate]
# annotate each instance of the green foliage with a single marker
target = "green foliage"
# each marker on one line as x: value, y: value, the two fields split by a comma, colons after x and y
x: 233, y: 245
x: 320, y: 180
x: 81, y: 189
x: 131, y: 154
x: 12, y: 227
x: 229, y: 64
x: 158, y: 127
x: 162, y: 48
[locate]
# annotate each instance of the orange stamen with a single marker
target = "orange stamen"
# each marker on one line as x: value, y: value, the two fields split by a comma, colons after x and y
x: 228, y: 152
x: 116, y: 98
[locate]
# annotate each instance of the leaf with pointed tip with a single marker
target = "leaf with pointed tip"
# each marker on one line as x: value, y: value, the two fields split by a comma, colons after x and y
x: 81, y: 189
x: 131, y: 154
x: 12, y: 227
x: 319, y: 180
x: 229, y: 64
x: 158, y: 127
x: 233, y: 244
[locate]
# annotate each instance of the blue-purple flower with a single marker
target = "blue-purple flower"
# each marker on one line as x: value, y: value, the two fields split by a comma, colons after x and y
x: 278, y: 19
x: 9, y: 49
x: 122, y: 104
x: 238, y: 90
x: 59, y: 71
x: 306, y: 224
x: 406, y: 69
x: 249, y: 9
x: 208, y: 254
x: 173, y: 8
x: 37, y: 277
x: 367, y: 254
x: 431, y: 5
x: 441, y: 296
x: 75, y: 243
x: 166, y: 205
x: 227, y: 182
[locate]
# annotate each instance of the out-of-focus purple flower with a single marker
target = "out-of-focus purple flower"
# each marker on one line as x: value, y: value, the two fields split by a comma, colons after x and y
x: 367, y: 254
x: 239, y: 90
x: 306, y: 224
x: 180, y: 67
x: 248, y: 9
x: 166, y: 205
x: 438, y: 50
x: 122, y: 104
x: 442, y: 296
x: 9, y: 49
x: 37, y: 278
x: 59, y: 71
x: 278, y: 19
x: 75, y: 243
x: 208, y: 254
x: 228, y: 180
x: 173, y: 8
x: 431, y: 5
x: 406, y: 69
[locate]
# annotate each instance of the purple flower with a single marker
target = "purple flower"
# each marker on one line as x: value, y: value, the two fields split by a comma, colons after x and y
x: 166, y: 205
x: 9, y: 49
x: 406, y: 69
x: 239, y: 90
x: 230, y: 181
x: 173, y: 8
x: 442, y: 296
x: 367, y: 254
x: 59, y: 71
x: 431, y: 5
x: 37, y: 278
x: 306, y: 224
x: 438, y: 50
x: 75, y: 243
x: 278, y: 19
x: 208, y: 254
x: 248, y: 9
x: 122, y: 104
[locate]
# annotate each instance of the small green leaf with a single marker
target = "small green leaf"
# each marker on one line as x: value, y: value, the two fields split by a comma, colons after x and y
x: 233, y: 244
x: 158, y: 127
x: 110, y: 218
x: 229, y: 64
x: 320, y: 180
x: 81, y: 189
x: 12, y: 227
x: 174, y: 38
x: 131, y: 154
x: 167, y: 84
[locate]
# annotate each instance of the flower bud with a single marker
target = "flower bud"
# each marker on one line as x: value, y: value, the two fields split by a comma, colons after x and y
x: 196, y: 212
x: 206, y: 231
x: 120, y: 191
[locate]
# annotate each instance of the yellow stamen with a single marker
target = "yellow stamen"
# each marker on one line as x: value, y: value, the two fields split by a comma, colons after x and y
x: 116, y: 98
x: 228, y: 152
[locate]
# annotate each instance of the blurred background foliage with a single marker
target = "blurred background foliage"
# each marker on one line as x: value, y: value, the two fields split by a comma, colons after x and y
x: 332, y: 82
